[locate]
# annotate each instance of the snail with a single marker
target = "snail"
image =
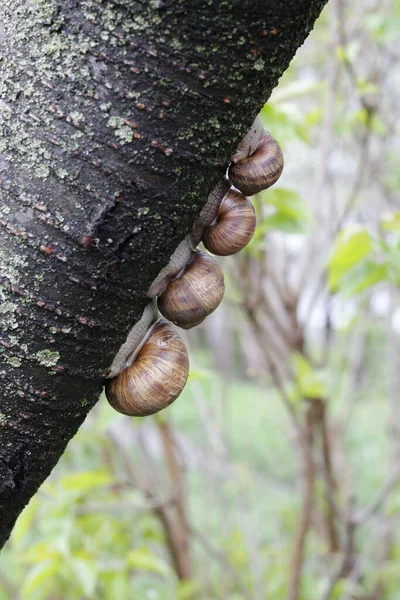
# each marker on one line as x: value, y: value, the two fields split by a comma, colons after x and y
x: 195, y: 293
x: 151, y: 368
x: 234, y: 226
x: 259, y: 169
x: 156, y: 376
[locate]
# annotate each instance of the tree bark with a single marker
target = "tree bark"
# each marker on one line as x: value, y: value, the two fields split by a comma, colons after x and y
x: 117, y: 117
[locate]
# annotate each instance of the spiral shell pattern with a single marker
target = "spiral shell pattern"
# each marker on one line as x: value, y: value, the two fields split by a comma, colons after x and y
x: 195, y: 294
x: 156, y: 377
x: 234, y: 226
x: 260, y: 170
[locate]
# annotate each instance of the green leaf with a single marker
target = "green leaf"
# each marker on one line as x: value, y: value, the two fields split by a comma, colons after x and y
x: 301, y: 365
x: 364, y: 86
x: 85, y: 572
x: 290, y: 215
x: 350, y: 248
x: 85, y: 480
x: 280, y: 222
x: 286, y: 201
x: 362, y: 277
x: 40, y: 552
x: 308, y: 381
x: 393, y: 261
x: 200, y: 374
x: 143, y: 560
x: 187, y: 589
x: 341, y: 53
x: 293, y: 90
x: 314, y: 116
x: 391, y: 222
x: 237, y: 550
x: 353, y: 49
x: 38, y: 575
x: 118, y: 586
x: 348, y: 53
x: 287, y: 121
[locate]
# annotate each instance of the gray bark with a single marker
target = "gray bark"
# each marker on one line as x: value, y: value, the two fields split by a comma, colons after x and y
x: 117, y: 117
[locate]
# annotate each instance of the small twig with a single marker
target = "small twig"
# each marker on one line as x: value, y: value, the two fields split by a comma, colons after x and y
x: 274, y: 372
x: 120, y: 507
x: 346, y: 564
x: 210, y: 549
x: 271, y: 273
x: 176, y: 521
x: 285, y: 398
x: 367, y: 513
x: 330, y: 482
x: 297, y: 560
x: 352, y: 580
x: 350, y: 380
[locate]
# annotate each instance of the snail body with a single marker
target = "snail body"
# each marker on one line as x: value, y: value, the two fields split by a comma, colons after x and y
x: 258, y: 171
x: 234, y: 226
x: 155, y: 378
x: 195, y: 294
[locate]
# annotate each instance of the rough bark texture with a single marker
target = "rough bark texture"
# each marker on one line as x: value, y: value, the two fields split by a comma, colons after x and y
x: 116, y: 119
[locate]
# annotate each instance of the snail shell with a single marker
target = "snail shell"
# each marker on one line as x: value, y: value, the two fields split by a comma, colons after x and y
x: 155, y: 378
x: 234, y: 227
x: 260, y: 170
x: 196, y: 293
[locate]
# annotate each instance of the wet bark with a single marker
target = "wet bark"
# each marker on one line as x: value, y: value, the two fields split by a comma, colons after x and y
x: 117, y: 117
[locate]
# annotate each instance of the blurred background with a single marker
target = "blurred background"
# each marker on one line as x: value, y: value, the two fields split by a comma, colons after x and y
x: 276, y: 474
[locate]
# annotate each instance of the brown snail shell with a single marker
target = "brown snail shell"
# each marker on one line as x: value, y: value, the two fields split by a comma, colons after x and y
x: 260, y: 170
x: 155, y: 378
x: 234, y: 227
x: 196, y: 293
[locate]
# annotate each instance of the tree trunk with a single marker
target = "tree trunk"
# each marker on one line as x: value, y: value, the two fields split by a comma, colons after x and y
x: 117, y: 117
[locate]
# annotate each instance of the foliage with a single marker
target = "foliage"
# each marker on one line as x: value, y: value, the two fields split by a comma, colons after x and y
x: 89, y: 533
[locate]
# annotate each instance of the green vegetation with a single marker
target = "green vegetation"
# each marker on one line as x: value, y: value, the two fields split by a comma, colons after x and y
x: 89, y: 534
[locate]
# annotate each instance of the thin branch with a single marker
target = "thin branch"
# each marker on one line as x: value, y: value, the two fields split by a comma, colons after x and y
x: 367, y: 513
x: 210, y: 549
x: 330, y: 482
x: 297, y: 560
x: 346, y: 563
